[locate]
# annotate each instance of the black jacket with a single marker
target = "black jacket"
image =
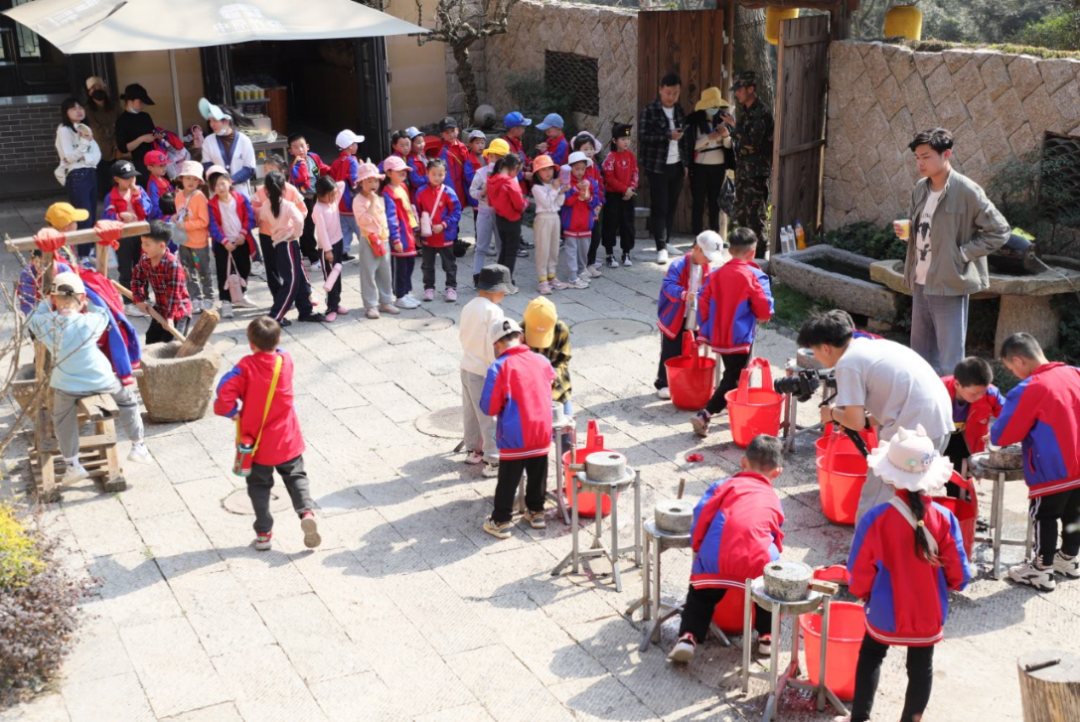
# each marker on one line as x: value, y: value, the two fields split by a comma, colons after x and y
x: 654, y: 134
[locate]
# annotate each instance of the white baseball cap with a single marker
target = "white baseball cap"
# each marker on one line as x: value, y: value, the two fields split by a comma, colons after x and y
x: 712, y: 246
x: 210, y: 111
x: 412, y: 131
x: 68, y: 283
x: 578, y: 157
x: 346, y: 138
x: 503, y: 326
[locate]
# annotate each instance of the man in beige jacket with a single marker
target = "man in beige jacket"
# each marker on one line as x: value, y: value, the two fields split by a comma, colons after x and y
x: 952, y: 227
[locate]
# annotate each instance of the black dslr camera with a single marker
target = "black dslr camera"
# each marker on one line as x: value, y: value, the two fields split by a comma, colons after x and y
x: 804, y: 383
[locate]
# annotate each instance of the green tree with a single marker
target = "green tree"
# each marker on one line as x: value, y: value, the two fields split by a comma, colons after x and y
x: 964, y: 21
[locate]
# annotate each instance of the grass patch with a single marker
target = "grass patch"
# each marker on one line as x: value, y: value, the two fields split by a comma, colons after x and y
x: 792, y: 308
x: 935, y: 46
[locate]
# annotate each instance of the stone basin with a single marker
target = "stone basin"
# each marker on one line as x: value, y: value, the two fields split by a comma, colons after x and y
x: 810, y: 272
x: 1025, y: 300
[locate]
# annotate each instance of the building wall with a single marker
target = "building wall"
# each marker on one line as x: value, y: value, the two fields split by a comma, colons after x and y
x: 151, y: 70
x: 417, y: 90
x: 28, y: 137
x: 997, y: 106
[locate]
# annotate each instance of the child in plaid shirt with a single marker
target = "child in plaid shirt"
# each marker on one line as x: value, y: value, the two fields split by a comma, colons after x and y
x: 161, y: 270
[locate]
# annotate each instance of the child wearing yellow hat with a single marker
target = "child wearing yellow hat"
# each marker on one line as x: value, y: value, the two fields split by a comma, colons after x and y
x: 548, y: 336
x: 487, y: 236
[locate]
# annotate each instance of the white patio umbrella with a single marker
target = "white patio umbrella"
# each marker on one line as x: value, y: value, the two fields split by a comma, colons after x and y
x: 106, y: 26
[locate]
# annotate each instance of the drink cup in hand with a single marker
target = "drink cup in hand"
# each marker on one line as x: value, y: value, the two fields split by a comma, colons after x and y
x: 902, y: 229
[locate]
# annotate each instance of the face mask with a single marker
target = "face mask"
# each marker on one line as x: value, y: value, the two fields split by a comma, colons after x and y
x: 133, y: 111
x: 223, y: 130
x: 99, y: 95
x: 711, y: 112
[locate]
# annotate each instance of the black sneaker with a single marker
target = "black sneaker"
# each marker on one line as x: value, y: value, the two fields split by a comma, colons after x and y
x: 345, y: 258
x: 523, y: 253
x: 313, y: 318
x: 285, y: 322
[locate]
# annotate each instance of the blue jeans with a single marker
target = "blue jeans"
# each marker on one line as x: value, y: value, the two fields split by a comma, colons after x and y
x: 349, y: 228
x: 81, y: 185
x: 939, y: 329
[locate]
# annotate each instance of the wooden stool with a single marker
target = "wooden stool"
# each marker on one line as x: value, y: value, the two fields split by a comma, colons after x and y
x: 97, y: 453
x: 980, y: 469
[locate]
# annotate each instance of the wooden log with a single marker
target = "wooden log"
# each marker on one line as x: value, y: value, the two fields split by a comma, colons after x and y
x: 200, y: 334
x: 153, y: 314
x: 78, y: 238
x: 1050, y: 686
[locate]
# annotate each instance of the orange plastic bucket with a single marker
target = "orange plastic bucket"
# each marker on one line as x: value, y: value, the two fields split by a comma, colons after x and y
x: 754, y: 411
x: 586, y: 502
x: 691, y: 377
x: 847, y: 626
x: 729, y: 612
x: 841, y: 473
x: 965, y: 509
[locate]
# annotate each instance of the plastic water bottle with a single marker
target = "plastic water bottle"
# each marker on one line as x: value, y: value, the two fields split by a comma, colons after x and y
x: 800, y: 236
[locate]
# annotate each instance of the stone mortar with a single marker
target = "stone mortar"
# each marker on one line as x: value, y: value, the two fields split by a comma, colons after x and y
x: 177, y: 389
x: 788, y: 581
x: 675, y: 516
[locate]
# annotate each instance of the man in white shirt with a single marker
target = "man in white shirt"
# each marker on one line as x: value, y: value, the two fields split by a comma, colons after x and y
x: 227, y: 148
x: 952, y: 226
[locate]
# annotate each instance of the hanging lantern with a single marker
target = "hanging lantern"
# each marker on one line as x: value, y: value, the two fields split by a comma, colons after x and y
x: 773, y: 17
x: 904, y: 21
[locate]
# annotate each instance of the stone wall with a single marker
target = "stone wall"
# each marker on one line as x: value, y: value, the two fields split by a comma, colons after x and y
x: 608, y: 34
x: 997, y: 106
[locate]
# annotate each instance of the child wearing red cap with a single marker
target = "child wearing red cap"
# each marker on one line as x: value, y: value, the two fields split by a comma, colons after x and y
x: 157, y: 184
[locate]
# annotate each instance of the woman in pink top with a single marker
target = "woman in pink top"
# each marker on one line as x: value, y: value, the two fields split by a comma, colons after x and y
x: 371, y: 213
x: 329, y: 238
x: 285, y: 224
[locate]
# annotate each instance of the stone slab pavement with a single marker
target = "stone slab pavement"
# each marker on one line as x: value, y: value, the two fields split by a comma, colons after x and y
x: 408, y: 610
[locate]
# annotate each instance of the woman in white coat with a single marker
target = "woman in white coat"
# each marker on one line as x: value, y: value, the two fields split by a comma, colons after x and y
x: 227, y: 148
x: 79, y: 156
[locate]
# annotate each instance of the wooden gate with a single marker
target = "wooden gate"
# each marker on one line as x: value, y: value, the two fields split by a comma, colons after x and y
x: 698, y: 46
x: 799, y: 149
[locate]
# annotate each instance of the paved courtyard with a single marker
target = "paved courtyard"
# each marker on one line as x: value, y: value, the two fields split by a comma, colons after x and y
x: 408, y: 611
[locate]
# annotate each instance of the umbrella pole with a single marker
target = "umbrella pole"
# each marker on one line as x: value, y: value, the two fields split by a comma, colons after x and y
x: 176, y: 93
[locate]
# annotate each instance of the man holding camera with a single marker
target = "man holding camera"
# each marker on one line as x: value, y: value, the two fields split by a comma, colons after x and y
x: 878, y: 383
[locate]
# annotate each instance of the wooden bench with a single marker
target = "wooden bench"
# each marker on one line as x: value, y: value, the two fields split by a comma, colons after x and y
x: 97, y: 451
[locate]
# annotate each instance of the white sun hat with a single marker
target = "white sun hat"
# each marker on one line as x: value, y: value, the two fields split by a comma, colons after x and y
x: 910, y: 461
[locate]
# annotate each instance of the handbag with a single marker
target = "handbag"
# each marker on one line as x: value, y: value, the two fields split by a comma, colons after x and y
x: 245, y: 445
x: 61, y: 173
x: 233, y: 282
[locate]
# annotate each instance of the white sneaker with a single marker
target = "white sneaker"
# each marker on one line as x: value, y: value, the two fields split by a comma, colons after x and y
x: 1066, y: 566
x: 315, y: 266
x: 661, y: 257
x: 208, y: 304
x: 664, y: 393
x: 407, y: 303
x: 139, y: 453
x: 474, y: 457
x: 132, y: 311
x: 683, y: 651
x: 75, y: 472
x: 579, y: 283
x: 626, y: 260
x: 257, y: 268
x: 491, y: 471
x: 672, y: 250
x: 1028, y: 573
x: 226, y: 309
x: 594, y: 271
x: 612, y: 263
x: 514, y: 290
x: 196, y: 308
x: 245, y: 302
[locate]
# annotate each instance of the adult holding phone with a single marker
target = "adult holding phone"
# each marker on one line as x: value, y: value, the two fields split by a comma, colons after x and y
x: 951, y: 227
x: 708, y: 146
x: 135, y: 128
x: 660, y: 133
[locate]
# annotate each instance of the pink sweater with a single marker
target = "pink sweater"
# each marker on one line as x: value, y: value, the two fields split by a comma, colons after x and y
x: 287, y: 226
x: 259, y: 200
x: 327, y: 220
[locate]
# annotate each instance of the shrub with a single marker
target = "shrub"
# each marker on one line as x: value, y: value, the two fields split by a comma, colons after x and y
x: 1060, y: 30
x: 868, y: 239
x: 39, y: 611
x: 535, y: 99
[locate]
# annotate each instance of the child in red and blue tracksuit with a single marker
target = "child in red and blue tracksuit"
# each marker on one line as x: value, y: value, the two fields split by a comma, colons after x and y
x: 441, y: 203
x: 274, y: 429
x: 157, y: 184
x: 687, y: 275
x: 975, y: 400
x: 736, y: 532
x: 737, y: 297
x: 578, y: 217
x: 344, y: 169
x: 906, y: 582
x: 1043, y: 413
x: 518, y: 390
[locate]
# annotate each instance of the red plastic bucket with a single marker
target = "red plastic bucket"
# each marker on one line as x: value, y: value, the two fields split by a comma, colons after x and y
x: 847, y: 627
x: 586, y: 502
x: 729, y: 612
x: 754, y: 411
x: 691, y: 378
x: 965, y: 509
x: 841, y: 473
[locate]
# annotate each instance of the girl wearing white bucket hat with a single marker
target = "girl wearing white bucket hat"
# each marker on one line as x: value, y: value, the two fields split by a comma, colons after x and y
x: 908, y: 554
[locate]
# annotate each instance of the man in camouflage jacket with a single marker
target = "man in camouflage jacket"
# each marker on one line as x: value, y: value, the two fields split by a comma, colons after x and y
x: 754, y: 143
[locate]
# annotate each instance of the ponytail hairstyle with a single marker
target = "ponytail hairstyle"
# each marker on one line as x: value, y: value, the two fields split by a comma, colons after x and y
x: 510, y: 162
x: 924, y: 546
x: 324, y: 186
x: 275, y: 188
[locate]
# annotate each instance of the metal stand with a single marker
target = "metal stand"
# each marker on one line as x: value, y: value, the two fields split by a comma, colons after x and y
x: 981, y: 470
x: 755, y: 593
x: 653, y: 607
x: 553, y: 493
x: 610, y: 489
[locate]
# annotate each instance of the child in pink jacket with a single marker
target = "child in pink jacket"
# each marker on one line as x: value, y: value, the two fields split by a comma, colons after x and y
x: 330, y: 239
x: 286, y: 224
x: 372, y: 217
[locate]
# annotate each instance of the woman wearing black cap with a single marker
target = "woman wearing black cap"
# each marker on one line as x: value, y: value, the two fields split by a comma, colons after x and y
x: 135, y: 128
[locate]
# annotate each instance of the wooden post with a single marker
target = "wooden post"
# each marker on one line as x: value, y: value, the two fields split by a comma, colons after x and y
x: 1050, y: 686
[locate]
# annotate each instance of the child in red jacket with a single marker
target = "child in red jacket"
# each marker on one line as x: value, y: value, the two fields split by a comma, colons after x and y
x: 975, y: 400
x: 908, y: 554
x: 440, y: 212
x: 620, y: 184
x: 509, y: 202
x: 518, y: 390
x: 260, y: 389
x: 582, y: 198
x: 736, y: 532
x: 737, y: 298
x: 587, y: 143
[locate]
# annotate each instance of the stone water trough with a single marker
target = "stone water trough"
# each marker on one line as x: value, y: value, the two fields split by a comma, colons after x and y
x: 838, y: 276
x: 1025, y: 300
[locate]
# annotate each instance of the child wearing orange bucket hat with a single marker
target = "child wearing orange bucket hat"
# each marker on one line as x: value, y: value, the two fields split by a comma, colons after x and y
x: 373, y: 212
x: 735, y: 533
x: 736, y: 298
x: 907, y: 555
x: 547, y: 192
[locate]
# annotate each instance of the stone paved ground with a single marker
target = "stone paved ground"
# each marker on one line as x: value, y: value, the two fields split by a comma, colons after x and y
x: 409, y: 611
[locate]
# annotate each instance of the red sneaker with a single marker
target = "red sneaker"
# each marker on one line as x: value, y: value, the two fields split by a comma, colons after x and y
x: 310, y: 529
x: 262, y: 541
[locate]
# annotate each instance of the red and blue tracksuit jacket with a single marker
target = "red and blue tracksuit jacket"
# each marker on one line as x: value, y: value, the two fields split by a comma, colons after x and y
x: 1043, y: 412
x: 417, y: 172
x: 518, y: 149
x: 115, y: 204
x: 243, y: 390
x: 448, y: 213
x: 974, y: 419
x: 243, y: 212
x: 737, y: 296
x: 345, y: 169
x: 858, y: 333
x: 594, y: 173
x: 473, y: 164
x: 518, y: 390
x: 558, y: 149
x: 155, y: 188
x: 401, y: 219
x: 907, y: 597
x: 671, y: 308
x: 578, y: 216
x: 300, y: 174
x: 456, y: 156
x: 736, y: 531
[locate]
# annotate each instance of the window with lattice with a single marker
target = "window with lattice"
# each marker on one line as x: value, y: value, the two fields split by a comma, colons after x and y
x: 1059, y: 182
x: 576, y: 76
